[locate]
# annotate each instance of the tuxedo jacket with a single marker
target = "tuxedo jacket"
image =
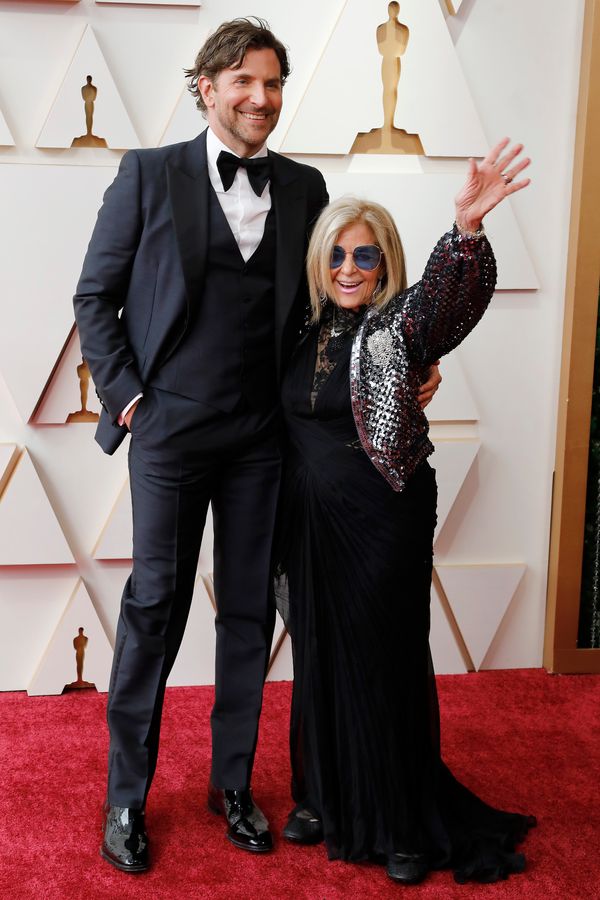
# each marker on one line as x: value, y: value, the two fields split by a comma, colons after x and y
x: 143, y: 272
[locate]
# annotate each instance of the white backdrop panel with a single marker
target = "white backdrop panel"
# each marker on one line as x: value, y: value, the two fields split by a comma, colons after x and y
x: 195, y: 663
x: 115, y: 540
x: 29, y: 531
x: 452, y: 460
x: 446, y: 120
x: 8, y: 456
x: 455, y: 401
x: 6, y: 138
x: 427, y: 199
x: 63, y: 394
x: 283, y: 666
x: 57, y: 666
x: 53, y: 210
x: 66, y: 120
x: 31, y: 604
x: 454, y: 5
x: 510, y: 363
x: 479, y: 597
x: 445, y: 653
x: 185, y: 122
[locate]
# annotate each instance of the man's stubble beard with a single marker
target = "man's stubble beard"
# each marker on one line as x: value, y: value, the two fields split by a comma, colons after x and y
x: 232, y: 125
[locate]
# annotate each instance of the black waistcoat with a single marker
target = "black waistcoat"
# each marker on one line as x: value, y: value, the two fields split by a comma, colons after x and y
x: 227, y: 357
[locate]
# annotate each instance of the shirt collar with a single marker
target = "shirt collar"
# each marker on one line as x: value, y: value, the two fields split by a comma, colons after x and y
x: 213, y: 147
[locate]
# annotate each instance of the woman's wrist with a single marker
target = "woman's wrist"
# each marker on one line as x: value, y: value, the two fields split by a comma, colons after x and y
x: 470, y: 229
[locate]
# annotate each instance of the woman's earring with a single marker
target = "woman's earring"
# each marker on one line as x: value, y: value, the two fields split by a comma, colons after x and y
x: 377, y: 291
x: 322, y: 298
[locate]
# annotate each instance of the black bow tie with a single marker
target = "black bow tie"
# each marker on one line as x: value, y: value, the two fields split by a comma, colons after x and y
x: 258, y: 169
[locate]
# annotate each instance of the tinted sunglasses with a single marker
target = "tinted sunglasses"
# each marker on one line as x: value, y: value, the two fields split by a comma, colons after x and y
x: 366, y: 257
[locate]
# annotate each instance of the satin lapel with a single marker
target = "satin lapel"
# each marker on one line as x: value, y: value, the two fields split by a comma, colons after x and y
x: 289, y: 201
x: 188, y: 186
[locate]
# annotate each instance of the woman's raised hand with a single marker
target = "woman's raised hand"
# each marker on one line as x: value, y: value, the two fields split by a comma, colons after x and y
x: 488, y: 183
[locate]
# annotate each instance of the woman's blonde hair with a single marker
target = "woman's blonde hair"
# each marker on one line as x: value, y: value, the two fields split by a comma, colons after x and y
x: 334, y: 219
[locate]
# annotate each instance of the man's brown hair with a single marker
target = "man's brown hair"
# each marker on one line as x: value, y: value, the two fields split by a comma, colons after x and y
x: 227, y: 47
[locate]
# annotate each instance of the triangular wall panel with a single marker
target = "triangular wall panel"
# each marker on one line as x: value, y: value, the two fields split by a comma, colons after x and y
x: 447, y: 658
x: 64, y: 396
x: 32, y: 601
x: 53, y: 208
x: 115, y: 540
x: 209, y: 587
x: 109, y: 581
x: 6, y: 138
x: 9, y: 454
x: 445, y: 120
x: 185, y: 123
x: 58, y: 665
x: 67, y: 120
x: 479, y: 596
x: 205, y: 560
x: 29, y: 531
x: 195, y: 663
x: 452, y: 460
x: 454, y: 401
x: 282, y: 666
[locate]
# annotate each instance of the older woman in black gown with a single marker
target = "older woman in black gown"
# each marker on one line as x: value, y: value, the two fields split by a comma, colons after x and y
x: 357, y: 521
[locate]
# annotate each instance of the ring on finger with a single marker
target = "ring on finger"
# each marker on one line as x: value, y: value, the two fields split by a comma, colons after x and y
x: 507, y: 178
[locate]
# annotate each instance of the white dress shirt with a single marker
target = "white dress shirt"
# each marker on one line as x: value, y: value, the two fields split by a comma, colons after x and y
x: 245, y: 212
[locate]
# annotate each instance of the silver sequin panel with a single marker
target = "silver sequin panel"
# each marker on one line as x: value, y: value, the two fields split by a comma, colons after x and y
x: 394, y: 347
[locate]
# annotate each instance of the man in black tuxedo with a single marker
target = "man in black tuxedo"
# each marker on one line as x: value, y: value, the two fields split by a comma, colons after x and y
x: 205, y: 258
x: 202, y: 247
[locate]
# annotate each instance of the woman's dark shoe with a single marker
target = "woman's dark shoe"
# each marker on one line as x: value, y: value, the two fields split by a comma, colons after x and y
x: 303, y: 827
x: 125, y: 843
x: 247, y: 829
x: 407, y: 868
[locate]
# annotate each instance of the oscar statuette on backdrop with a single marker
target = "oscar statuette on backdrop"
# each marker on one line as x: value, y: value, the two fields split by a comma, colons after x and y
x: 89, y: 92
x: 83, y: 414
x: 80, y: 643
x: 392, y: 41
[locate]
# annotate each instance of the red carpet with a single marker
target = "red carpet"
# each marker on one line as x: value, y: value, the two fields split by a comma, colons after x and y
x: 524, y: 740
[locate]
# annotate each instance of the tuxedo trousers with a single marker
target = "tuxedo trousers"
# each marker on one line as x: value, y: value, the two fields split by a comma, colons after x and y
x: 184, y: 455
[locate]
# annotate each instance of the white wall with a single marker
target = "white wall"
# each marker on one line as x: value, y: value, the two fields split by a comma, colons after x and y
x: 520, y: 61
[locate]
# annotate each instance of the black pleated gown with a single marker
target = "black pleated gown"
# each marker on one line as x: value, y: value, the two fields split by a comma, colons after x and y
x: 365, y: 721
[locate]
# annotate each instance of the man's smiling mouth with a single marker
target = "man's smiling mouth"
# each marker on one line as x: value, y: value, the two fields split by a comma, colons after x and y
x: 256, y: 117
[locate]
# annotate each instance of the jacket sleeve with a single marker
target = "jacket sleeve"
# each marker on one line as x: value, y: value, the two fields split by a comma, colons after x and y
x: 102, y: 289
x: 438, y: 312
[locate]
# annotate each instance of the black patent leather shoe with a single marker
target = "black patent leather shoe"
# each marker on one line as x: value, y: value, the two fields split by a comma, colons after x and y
x: 303, y: 827
x: 125, y: 843
x: 407, y: 868
x: 247, y: 826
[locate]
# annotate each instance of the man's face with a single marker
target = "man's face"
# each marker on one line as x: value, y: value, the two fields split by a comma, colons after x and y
x: 243, y: 105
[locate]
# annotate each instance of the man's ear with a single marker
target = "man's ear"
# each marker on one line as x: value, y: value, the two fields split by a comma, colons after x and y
x: 206, y: 86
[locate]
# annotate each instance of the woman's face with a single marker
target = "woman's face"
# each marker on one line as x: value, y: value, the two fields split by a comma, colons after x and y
x: 353, y: 287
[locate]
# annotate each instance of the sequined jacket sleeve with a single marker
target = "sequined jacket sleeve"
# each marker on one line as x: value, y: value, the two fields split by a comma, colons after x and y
x: 393, y: 345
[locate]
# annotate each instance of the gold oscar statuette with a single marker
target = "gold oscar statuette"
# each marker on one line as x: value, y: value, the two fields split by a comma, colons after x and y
x: 89, y: 92
x: 79, y: 643
x: 392, y: 41
x: 83, y: 414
